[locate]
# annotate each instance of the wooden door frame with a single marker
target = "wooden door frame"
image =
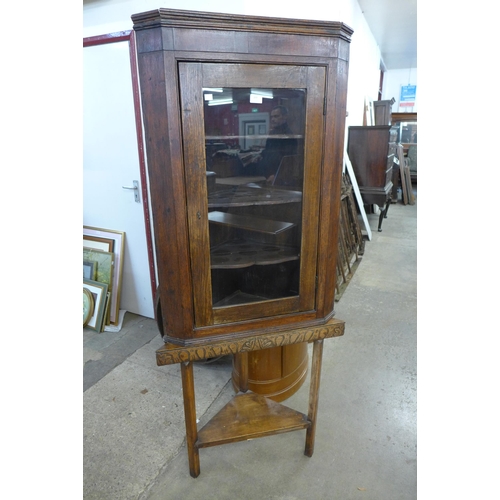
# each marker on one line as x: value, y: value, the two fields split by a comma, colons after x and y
x: 129, y: 36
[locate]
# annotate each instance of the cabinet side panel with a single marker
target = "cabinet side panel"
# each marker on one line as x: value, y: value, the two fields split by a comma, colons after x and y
x: 312, y: 185
x: 162, y: 137
x: 331, y: 184
x: 368, y: 151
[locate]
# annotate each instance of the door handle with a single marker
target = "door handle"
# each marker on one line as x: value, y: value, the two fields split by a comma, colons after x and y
x: 135, y: 187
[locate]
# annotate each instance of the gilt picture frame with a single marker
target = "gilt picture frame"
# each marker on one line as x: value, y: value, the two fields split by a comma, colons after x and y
x: 99, y: 292
x: 118, y: 249
x: 98, y: 242
x: 104, y: 262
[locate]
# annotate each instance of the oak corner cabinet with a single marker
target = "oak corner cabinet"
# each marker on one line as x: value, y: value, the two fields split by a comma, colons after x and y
x: 244, y: 122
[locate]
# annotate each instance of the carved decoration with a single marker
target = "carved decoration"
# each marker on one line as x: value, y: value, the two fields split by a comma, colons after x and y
x: 170, y: 353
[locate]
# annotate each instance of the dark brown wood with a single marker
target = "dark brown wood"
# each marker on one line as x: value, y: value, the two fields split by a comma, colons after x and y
x: 351, y: 242
x: 371, y: 152
x: 404, y: 117
x: 383, y: 111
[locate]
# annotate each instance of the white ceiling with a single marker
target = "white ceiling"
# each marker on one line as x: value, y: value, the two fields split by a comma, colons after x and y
x: 394, y: 26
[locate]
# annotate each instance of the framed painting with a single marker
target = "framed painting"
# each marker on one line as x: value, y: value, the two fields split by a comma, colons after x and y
x: 88, y: 305
x: 118, y: 238
x: 99, y: 243
x: 104, y: 264
x: 99, y: 292
x: 90, y: 269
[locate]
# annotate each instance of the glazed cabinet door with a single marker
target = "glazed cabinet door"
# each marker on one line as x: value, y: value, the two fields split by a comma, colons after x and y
x: 252, y: 151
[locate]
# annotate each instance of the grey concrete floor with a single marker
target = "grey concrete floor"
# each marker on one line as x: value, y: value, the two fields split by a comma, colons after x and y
x: 366, y: 439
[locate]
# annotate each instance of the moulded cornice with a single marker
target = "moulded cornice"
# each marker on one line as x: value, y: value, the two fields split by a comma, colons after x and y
x: 211, y: 20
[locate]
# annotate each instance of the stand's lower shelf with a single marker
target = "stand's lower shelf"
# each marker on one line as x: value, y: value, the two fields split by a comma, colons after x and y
x: 250, y: 416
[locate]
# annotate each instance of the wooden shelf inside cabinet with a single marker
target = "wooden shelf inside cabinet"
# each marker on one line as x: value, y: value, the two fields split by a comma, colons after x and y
x: 245, y: 253
x: 243, y: 196
x: 237, y: 298
x: 249, y: 223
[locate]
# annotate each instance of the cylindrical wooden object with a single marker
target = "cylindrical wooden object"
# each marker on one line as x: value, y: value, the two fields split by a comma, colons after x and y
x: 276, y: 373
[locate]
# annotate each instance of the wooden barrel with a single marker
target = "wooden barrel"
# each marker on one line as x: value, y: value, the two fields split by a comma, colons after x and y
x: 276, y: 373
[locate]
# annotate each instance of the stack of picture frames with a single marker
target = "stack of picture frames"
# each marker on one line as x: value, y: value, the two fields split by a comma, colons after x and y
x: 404, y: 172
x: 103, y: 254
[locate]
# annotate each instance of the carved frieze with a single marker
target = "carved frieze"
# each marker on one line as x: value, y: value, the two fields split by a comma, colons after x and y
x: 170, y: 354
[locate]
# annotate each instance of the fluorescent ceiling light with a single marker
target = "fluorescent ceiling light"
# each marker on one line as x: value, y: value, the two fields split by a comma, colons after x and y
x: 266, y: 93
x: 218, y: 102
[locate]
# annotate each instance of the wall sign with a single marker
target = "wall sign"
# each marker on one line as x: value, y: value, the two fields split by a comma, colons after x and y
x: 408, y: 94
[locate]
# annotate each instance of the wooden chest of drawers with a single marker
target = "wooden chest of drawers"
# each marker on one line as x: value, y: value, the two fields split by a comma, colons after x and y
x: 372, y: 151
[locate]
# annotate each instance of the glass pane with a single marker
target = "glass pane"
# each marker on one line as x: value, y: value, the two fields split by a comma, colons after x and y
x: 254, y: 140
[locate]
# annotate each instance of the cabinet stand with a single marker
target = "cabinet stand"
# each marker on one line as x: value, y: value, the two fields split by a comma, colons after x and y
x: 248, y: 415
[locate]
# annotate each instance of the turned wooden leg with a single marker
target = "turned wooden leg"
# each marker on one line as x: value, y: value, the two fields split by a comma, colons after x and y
x: 190, y: 417
x: 313, y: 395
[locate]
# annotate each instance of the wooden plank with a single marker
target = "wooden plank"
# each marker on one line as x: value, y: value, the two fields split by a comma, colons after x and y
x: 239, y: 181
x: 246, y: 196
x: 241, y: 254
x: 402, y: 173
x: 250, y: 416
x: 250, y: 223
x: 190, y: 417
x: 314, y: 396
x: 409, y: 187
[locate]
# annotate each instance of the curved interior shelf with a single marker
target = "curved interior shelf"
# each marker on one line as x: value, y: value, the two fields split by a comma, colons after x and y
x: 243, y: 196
x: 243, y: 253
x: 249, y: 223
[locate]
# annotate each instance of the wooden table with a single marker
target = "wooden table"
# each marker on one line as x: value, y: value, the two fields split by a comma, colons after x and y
x: 248, y: 415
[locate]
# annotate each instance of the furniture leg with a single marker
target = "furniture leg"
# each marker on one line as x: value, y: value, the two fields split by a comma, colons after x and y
x: 387, y: 207
x: 380, y: 219
x: 243, y: 371
x: 313, y: 395
x: 190, y: 417
x: 383, y: 215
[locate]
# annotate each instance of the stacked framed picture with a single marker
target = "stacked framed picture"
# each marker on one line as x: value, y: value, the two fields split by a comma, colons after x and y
x: 103, y: 254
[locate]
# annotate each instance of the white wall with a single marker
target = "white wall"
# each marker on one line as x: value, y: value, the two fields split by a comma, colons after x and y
x: 108, y: 16
x: 393, y: 80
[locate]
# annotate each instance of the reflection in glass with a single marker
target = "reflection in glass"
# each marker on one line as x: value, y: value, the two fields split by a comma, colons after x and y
x: 254, y: 140
x: 407, y: 132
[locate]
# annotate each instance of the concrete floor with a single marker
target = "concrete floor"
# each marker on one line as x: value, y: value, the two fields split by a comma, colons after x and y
x: 366, y: 439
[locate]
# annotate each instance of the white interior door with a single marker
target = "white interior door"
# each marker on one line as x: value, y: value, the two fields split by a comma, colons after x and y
x: 111, y: 162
